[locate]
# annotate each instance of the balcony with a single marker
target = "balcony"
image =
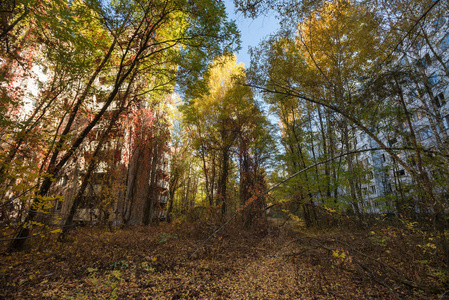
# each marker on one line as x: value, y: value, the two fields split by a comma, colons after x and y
x: 162, y: 199
x: 162, y: 184
x: 162, y: 215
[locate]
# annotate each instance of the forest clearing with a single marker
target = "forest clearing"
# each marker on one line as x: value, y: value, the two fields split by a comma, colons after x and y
x: 141, y: 158
x: 266, y: 262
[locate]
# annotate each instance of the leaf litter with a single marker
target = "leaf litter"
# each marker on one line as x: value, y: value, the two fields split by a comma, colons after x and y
x: 154, y: 263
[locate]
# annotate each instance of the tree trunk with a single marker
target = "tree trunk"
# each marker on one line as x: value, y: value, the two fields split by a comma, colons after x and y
x: 149, y: 203
x: 223, y: 179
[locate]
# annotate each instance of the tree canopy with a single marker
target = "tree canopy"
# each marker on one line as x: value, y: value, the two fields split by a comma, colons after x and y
x: 330, y: 150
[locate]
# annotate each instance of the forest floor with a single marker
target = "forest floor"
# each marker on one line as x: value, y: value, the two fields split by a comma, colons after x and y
x: 271, y: 262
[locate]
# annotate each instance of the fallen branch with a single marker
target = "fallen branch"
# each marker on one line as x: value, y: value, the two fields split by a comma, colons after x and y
x: 398, y: 277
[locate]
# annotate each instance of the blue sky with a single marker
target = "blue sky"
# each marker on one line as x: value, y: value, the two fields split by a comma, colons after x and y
x: 252, y: 31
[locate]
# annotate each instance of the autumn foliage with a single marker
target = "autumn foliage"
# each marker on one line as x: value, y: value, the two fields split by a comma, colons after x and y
x: 140, y: 160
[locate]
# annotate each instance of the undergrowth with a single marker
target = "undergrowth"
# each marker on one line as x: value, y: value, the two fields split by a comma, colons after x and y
x: 262, y: 262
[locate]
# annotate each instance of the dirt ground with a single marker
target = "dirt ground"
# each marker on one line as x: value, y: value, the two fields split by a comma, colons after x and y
x: 260, y: 263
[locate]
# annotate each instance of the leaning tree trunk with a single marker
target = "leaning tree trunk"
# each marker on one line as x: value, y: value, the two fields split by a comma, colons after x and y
x: 87, y: 176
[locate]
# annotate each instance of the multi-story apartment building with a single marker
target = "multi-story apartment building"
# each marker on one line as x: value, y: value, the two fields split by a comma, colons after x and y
x: 423, y: 60
x: 131, y: 173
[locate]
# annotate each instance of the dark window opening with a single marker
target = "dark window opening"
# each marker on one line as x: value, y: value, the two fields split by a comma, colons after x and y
x: 392, y: 141
x: 440, y: 100
x: 433, y: 80
x: 446, y: 122
x: 425, y: 133
x: 425, y: 61
x: 400, y: 173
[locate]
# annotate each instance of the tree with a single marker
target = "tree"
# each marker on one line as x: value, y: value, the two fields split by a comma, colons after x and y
x: 222, y: 119
x: 350, y: 67
x: 150, y: 41
x: 334, y: 46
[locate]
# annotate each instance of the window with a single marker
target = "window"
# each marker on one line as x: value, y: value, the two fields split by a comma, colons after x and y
x: 419, y: 44
x: 392, y: 142
x: 382, y: 158
x: 444, y: 44
x: 364, y: 190
x: 403, y: 61
x: 369, y: 176
x: 372, y: 189
x: 433, y: 80
x: 446, y: 122
x: 425, y: 133
x: 439, y: 100
x: 425, y: 61
x: 417, y: 115
x: 413, y: 95
x: 438, y: 23
x: 399, y: 173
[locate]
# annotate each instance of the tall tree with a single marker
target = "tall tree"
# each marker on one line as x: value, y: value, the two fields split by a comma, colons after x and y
x: 153, y: 41
x: 223, y: 118
x: 349, y: 58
